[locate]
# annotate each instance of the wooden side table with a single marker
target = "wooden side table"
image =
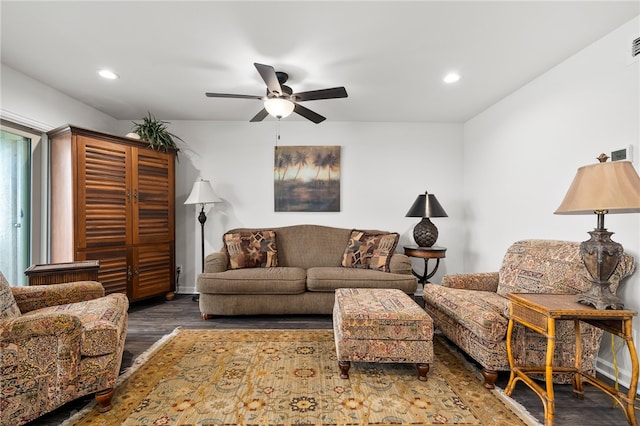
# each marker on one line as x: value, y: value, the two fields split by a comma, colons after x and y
x: 56, y: 273
x: 426, y: 253
x: 539, y: 312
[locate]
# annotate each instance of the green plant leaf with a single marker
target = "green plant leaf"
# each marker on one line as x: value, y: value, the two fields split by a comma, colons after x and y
x: 156, y: 133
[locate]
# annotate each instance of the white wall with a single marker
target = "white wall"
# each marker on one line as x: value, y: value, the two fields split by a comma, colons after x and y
x: 28, y: 102
x: 521, y: 155
x: 383, y: 169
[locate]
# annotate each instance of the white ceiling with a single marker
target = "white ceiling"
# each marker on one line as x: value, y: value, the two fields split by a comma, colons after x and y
x: 390, y: 55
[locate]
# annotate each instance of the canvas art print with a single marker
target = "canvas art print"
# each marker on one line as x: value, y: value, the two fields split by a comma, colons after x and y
x: 307, y: 179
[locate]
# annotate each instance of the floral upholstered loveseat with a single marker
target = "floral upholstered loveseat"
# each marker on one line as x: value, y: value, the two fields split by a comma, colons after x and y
x: 57, y: 343
x: 472, y: 309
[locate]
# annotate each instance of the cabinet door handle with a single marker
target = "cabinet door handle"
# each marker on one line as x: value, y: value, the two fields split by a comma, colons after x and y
x: 135, y: 195
x: 136, y: 271
x: 128, y: 195
x: 128, y: 272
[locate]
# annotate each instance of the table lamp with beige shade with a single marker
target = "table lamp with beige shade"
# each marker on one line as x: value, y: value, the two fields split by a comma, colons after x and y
x: 602, y: 188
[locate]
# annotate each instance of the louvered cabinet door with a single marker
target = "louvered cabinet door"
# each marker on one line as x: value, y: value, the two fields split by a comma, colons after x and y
x: 112, y: 200
x: 115, y: 270
x: 104, y: 194
x: 152, y: 271
x: 153, y: 196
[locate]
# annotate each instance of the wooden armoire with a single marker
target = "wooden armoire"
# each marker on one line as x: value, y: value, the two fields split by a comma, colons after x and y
x: 113, y: 200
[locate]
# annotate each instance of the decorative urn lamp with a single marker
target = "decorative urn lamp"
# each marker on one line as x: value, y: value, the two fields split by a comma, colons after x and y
x: 425, y: 232
x: 599, y: 189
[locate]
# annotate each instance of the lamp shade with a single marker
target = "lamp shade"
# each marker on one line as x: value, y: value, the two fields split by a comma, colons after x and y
x: 426, y: 205
x: 603, y: 187
x: 202, y: 193
x: 279, y: 107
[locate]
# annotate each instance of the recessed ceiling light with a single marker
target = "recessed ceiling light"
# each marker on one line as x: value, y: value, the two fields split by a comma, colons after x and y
x: 108, y: 74
x: 452, y: 77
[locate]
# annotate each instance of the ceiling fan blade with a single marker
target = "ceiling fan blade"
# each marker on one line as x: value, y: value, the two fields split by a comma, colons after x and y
x: 230, y: 95
x: 268, y: 74
x: 261, y: 115
x: 308, y: 114
x: 313, y: 95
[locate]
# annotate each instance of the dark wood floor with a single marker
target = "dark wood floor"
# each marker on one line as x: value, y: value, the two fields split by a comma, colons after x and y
x: 150, y: 320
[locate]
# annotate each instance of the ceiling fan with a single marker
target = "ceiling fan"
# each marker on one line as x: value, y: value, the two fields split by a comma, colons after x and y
x: 280, y: 101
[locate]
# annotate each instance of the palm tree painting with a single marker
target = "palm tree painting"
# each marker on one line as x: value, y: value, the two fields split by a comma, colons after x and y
x: 307, y: 179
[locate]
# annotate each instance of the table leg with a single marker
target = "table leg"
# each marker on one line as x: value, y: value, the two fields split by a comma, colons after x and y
x: 426, y: 275
x: 512, y: 377
x: 578, y: 390
x: 630, y: 411
x: 549, y: 406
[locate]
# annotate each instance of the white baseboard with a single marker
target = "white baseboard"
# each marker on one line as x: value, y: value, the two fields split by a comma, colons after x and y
x: 186, y: 289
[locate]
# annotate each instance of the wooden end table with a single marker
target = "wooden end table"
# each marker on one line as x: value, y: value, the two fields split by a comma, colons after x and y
x: 426, y: 253
x: 539, y: 313
x: 56, y: 273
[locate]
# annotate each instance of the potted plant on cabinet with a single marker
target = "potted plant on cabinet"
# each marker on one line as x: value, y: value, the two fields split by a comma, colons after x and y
x: 156, y: 133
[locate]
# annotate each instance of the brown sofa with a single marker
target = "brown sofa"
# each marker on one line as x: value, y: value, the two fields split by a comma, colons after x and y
x: 472, y: 311
x: 309, y: 270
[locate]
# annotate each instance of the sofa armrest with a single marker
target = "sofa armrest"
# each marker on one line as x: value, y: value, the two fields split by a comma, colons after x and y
x: 484, y: 281
x: 36, y: 339
x: 216, y: 262
x: 400, y: 264
x: 41, y: 296
x: 25, y: 327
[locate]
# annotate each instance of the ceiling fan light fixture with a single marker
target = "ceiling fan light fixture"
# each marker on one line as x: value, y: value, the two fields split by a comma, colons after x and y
x: 279, y: 107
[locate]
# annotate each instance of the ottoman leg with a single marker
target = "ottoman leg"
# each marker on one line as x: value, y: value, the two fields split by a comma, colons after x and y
x: 423, y: 369
x: 344, y: 369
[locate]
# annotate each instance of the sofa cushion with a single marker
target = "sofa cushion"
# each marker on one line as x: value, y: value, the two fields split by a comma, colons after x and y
x: 330, y: 279
x: 103, y: 322
x: 543, y: 266
x: 484, y: 313
x: 8, y: 306
x: 275, y: 280
x: 491, y: 354
x: 367, y: 250
x: 255, y: 249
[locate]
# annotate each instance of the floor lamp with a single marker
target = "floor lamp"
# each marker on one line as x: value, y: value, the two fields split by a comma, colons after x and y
x: 202, y: 193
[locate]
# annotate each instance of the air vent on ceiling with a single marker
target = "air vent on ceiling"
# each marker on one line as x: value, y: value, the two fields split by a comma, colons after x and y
x: 635, y: 47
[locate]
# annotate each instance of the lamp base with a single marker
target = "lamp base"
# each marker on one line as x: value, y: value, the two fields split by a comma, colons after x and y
x: 425, y: 233
x: 600, y: 297
x: 601, y: 256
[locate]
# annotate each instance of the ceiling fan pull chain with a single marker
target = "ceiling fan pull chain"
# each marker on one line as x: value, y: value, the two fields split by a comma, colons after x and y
x: 277, y: 132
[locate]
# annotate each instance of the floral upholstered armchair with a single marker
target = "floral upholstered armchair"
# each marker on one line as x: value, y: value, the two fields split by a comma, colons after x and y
x: 57, y: 343
x: 472, y: 310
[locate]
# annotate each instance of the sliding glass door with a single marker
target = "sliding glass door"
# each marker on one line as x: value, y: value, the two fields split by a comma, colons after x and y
x: 15, y: 214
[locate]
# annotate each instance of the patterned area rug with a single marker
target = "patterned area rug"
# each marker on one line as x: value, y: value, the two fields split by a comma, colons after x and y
x: 287, y: 377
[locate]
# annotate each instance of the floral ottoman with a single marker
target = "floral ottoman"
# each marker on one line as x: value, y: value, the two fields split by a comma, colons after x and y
x: 381, y: 325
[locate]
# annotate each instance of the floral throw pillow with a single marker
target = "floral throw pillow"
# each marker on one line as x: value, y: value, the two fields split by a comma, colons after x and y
x: 255, y: 249
x: 370, y: 251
